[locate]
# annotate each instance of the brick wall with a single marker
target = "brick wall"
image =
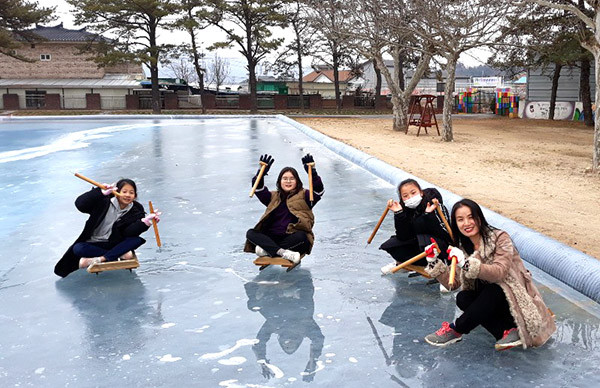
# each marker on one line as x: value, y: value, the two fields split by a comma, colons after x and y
x: 10, y: 101
x: 328, y: 103
x: 64, y: 63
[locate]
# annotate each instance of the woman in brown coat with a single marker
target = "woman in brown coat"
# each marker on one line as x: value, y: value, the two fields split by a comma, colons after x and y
x: 285, y: 228
x: 497, y: 290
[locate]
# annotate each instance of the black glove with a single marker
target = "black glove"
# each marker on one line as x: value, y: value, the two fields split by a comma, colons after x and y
x: 268, y: 160
x: 308, y: 159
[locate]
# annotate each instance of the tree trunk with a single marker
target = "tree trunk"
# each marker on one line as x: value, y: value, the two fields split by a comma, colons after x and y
x: 401, y: 97
x: 401, y: 70
x: 447, y: 133
x: 378, y: 78
x: 300, y: 73
x: 196, y: 59
x: 252, y: 81
x: 586, y: 93
x: 156, y: 106
x: 596, y: 157
x: 336, y: 80
x: 400, y: 113
x: 251, y: 66
x: 553, y: 92
x: 197, y: 67
x: 399, y: 104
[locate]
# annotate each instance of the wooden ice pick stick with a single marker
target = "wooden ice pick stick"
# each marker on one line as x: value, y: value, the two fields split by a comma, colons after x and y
x: 100, y: 185
x: 414, y: 259
x: 444, y: 220
x: 310, y: 182
x: 154, y: 224
x: 387, y: 209
x: 452, y: 272
x: 263, y: 166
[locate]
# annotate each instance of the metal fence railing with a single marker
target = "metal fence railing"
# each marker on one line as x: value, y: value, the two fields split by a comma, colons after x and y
x: 146, y: 101
x: 364, y: 101
x: 35, y: 100
x: 227, y: 101
x: 294, y: 101
x: 112, y: 102
x: 265, y: 102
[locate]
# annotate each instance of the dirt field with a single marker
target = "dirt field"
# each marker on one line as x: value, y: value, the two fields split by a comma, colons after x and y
x: 532, y: 171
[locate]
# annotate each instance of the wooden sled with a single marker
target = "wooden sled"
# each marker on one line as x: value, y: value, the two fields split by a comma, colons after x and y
x: 265, y: 261
x: 418, y: 269
x: 114, y: 265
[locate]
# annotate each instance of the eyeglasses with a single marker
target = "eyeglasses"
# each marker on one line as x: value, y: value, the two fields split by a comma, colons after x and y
x: 288, y: 179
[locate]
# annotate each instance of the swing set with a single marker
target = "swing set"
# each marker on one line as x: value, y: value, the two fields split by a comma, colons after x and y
x: 422, y: 115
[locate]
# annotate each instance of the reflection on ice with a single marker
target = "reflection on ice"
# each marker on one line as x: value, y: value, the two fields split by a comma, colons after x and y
x: 286, y: 301
x: 114, y: 309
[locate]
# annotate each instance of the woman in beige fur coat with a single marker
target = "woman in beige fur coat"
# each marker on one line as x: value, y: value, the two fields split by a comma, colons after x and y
x: 497, y: 290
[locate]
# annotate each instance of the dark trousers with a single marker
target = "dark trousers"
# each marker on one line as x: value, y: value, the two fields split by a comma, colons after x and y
x: 110, y: 251
x: 403, y: 250
x: 297, y: 242
x: 486, y: 306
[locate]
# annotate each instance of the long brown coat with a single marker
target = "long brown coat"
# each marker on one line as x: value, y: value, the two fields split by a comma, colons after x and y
x: 498, y: 261
x: 299, y: 208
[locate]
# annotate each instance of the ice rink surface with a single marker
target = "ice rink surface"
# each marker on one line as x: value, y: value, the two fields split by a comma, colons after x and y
x: 198, y: 312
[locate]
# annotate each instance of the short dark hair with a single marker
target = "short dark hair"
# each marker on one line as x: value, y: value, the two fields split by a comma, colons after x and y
x: 296, y: 176
x: 125, y: 181
x: 484, y: 228
x: 409, y: 181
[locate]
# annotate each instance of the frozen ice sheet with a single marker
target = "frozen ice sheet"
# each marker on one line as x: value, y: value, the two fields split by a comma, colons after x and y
x: 192, y: 313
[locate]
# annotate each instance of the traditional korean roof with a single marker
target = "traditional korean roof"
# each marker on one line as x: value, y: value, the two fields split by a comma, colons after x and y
x: 60, y: 34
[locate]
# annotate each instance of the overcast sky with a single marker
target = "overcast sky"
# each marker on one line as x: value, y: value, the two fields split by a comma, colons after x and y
x: 211, y: 35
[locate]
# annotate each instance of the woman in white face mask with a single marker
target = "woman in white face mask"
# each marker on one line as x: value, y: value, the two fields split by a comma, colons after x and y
x: 417, y: 222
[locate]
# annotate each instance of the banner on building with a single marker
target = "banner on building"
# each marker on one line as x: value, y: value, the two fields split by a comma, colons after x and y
x: 487, y: 82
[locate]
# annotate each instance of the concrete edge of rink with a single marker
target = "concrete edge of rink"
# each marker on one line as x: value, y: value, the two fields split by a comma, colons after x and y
x: 573, y: 267
x: 568, y: 265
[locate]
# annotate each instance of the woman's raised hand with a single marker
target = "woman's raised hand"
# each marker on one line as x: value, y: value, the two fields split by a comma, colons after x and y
x: 431, y: 206
x: 308, y: 158
x: 394, y: 205
x: 268, y: 160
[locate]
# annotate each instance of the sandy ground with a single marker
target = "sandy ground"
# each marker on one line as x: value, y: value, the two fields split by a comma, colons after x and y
x: 532, y: 171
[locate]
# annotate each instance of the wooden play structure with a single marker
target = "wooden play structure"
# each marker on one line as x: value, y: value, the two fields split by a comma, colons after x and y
x: 422, y: 115
x: 114, y: 265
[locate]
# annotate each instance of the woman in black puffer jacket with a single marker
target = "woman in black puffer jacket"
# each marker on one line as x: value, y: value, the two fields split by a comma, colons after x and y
x: 417, y: 222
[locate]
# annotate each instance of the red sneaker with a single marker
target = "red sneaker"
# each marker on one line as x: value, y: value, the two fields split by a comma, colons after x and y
x: 510, y: 339
x: 444, y: 336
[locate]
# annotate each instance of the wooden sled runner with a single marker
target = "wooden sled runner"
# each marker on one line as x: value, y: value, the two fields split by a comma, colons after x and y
x: 265, y: 261
x: 114, y: 265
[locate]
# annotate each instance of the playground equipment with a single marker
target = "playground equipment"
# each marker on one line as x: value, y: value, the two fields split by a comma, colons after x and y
x: 426, y: 113
x: 507, y: 103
